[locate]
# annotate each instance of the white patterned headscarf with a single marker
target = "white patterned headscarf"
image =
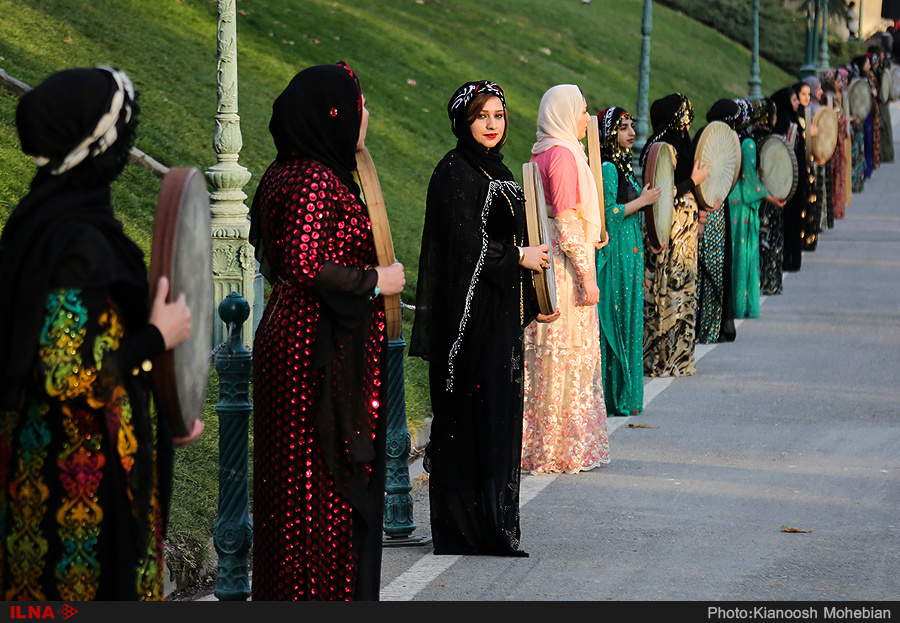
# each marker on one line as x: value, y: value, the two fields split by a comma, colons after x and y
x: 560, y: 108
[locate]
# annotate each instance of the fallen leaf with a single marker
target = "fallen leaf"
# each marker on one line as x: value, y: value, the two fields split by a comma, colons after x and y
x: 641, y: 426
x: 786, y: 529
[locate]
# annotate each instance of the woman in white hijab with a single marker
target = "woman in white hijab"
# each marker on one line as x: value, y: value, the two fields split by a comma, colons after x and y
x: 565, y: 415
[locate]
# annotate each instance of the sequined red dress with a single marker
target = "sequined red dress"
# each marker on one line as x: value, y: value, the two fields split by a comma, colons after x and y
x: 318, y: 426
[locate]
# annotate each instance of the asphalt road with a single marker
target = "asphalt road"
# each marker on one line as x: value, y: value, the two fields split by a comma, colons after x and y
x: 795, y: 425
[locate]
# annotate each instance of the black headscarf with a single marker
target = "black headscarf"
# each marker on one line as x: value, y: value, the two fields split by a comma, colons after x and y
x: 317, y: 116
x: 79, y: 124
x: 490, y: 160
x: 736, y: 114
x: 670, y: 117
x: 785, y: 113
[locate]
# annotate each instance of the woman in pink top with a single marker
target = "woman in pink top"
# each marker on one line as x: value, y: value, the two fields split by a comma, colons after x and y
x: 565, y: 416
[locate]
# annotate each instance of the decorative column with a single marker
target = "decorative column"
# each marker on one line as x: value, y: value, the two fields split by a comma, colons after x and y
x: 234, y: 266
x: 641, y: 124
x: 233, y: 530
x: 809, y: 67
x: 824, y: 61
x: 755, y: 94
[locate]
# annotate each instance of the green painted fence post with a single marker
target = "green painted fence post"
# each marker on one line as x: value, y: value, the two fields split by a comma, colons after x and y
x: 398, y: 524
x: 233, y: 532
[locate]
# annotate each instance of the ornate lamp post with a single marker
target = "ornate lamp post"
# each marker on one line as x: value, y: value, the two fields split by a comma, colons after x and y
x: 755, y: 94
x: 809, y: 68
x: 823, y: 40
x: 234, y: 265
x: 641, y: 124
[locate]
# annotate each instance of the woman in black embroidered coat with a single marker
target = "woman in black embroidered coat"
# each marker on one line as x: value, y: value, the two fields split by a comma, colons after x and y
x: 474, y: 296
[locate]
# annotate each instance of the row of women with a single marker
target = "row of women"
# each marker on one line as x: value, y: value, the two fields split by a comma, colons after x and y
x: 86, y: 456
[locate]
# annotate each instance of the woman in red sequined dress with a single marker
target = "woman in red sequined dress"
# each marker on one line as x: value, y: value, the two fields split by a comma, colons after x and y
x: 318, y: 353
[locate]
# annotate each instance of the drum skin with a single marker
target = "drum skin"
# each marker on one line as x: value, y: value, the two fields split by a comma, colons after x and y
x: 659, y: 171
x: 182, y: 251
x: 718, y: 146
x: 777, y: 166
x: 860, y: 98
x: 823, y: 144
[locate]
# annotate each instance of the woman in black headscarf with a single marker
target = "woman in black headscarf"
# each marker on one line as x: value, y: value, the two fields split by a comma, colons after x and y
x: 670, y: 277
x: 811, y: 213
x: 85, y: 463
x: 771, y: 229
x: 789, y: 122
x: 715, y: 312
x: 474, y: 297
x: 318, y: 353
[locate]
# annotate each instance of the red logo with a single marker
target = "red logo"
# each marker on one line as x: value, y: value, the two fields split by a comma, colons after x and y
x: 40, y: 612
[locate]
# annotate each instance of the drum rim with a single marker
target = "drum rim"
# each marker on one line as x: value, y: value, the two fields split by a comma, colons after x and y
x: 176, y: 184
x: 650, y: 210
x: 538, y: 232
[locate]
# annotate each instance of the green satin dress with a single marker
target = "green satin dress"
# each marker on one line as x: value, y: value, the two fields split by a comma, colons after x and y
x: 620, y: 275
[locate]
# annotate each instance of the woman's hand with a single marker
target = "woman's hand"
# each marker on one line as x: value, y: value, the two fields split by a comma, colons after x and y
x: 604, y: 242
x: 591, y: 293
x: 649, y: 196
x: 700, y: 172
x: 716, y: 205
x: 391, y: 279
x: 196, y: 429
x: 814, y: 130
x: 549, y: 317
x: 657, y: 250
x: 536, y: 258
x: 779, y: 201
x: 172, y: 319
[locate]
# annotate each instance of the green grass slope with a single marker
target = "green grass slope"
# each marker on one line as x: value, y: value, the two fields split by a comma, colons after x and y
x: 410, y: 55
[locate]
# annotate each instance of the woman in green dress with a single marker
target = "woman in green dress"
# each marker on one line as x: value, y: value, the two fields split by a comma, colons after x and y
x: 620, y: 267
x: 745, y: 201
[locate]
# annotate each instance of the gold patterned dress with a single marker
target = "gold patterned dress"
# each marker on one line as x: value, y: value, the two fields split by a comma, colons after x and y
x: 670, y: 297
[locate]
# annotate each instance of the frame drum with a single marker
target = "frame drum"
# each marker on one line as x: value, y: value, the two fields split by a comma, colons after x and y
x: 885, y: 86
x: 538, y: 228
x: 384, y: 244
x: 660, y: 172
x: 182, y: 251
x: 595, y: 160
x: 777, y: 166
x: 719, y: 146
x: 895, y: 82
x: 860, y: 98
x: 822, y: 146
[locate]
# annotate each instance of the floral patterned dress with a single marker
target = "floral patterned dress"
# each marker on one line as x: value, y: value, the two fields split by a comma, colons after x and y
x: 565, y: 414
x: 82, y: 502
